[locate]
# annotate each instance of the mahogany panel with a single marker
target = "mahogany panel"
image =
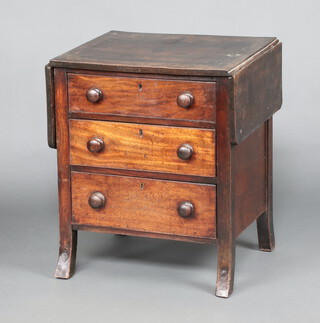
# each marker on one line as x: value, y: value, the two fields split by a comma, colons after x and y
x: 250, y: 179
x: 51, y: 117
x: 165, y: 54
x: 265, y: 220
x: 147, y: 120
x: 142, y: 204
x: 141, y: 97
x: 192, y: 78
x: 68, y: 237
x: 146, y: 174
x: 257, y: 93
x: 143, y: 234
x: 225, y: 205
x: 143, y: 147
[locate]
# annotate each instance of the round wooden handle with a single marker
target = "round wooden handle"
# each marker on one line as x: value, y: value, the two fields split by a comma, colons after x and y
x: 185, y: 209
x: 185, y: 151
x: 185, y: 100
x: 97, y: 200
x: 94, y: 95
x: 95, y: 145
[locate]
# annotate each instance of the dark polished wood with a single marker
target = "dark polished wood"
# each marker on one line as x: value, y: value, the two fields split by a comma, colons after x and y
x: 165, y: 136
x: 51, y: 117
x: 257, y: 93
x: 225, y: 194
x: 165, y: 54
x: 265, y: 220
x: 250, y: 175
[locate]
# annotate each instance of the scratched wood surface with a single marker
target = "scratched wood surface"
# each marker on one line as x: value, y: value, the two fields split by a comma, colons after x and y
x: 165, y: 54
x: 143, y: 147
x: 144, y: 204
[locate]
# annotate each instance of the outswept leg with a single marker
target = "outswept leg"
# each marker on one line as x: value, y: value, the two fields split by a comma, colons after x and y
x: 265, y: 220
x: 265, y: 231
x: 67, y: 258
x: 225, y: 210
x: 68, y: 237
x: 225, y: 272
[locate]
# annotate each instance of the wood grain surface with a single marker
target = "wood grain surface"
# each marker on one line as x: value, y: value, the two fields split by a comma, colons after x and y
x: 144, y: 204
x: 143, y: 147
x: 152, y: 98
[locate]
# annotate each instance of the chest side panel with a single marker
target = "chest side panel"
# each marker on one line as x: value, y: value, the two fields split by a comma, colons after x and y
x: 257, y: 93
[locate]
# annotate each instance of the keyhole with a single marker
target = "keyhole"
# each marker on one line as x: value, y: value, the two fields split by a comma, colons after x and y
x: 140, y: 86
x: 141, y: 186
x: 140, y: 133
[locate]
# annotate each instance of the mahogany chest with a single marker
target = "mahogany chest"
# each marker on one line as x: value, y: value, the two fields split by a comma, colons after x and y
x: 165, y: 136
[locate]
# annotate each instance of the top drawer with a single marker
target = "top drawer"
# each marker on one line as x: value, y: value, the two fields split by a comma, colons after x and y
x: 138, y: 97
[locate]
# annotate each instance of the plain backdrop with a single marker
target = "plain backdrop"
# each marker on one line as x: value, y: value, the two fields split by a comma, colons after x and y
x: 144, y: 280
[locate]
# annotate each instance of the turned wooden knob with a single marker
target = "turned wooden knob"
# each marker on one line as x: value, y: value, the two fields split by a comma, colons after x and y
x: 185, y: 100
x: 185, y: 151
x: 185, y: 209
x: 95, y: 145
x: 94, y: 95
x: 97, y: 200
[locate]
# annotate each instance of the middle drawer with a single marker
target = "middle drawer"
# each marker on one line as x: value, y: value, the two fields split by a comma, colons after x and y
x: 187, y: 151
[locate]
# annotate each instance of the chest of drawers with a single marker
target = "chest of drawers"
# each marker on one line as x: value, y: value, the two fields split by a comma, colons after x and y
x: 165, y: 136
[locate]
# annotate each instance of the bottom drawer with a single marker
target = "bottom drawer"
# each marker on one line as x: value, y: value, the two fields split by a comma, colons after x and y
x: 146, y: 205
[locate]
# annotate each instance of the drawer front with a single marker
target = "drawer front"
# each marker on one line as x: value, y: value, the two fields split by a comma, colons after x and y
x: 141, y: 97
x: 142, y: 147
x: 141, y: 204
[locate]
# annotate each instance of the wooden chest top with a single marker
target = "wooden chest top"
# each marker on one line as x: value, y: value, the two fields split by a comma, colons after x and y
x: 196, y: 55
